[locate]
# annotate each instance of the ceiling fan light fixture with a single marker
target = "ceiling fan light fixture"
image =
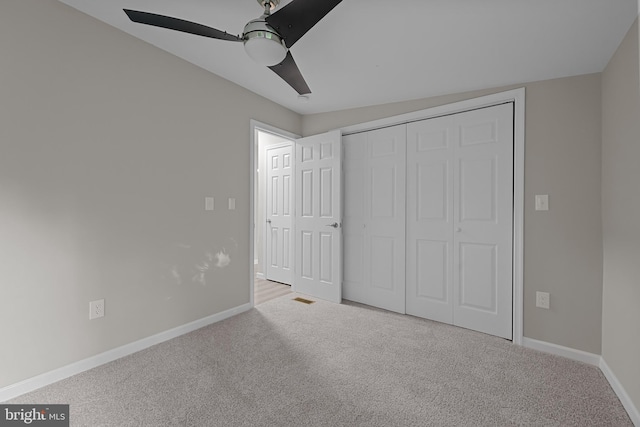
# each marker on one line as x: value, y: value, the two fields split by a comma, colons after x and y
x: 263, y: 44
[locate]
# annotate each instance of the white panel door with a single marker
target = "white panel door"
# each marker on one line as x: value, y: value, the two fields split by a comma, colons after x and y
x: 279, y: 203
x: 459, y: 219
x: 374, y: 229
x: 483, y: 220
x: 430, y: 218
x: 318, y: 233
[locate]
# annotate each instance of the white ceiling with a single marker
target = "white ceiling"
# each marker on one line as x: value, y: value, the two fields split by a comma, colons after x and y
x: 367, y: 52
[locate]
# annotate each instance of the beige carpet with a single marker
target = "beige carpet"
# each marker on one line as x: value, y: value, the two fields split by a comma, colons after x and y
x: 286, y: 363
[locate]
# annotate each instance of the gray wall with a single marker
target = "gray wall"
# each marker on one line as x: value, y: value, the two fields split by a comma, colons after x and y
x: 620, y: 214
x: 108, y: 147
x: 562, y: 247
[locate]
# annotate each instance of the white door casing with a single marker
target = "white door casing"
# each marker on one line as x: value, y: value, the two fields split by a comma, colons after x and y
x: 374, y: 218
x: 279, y: 214
x: 318, y: 232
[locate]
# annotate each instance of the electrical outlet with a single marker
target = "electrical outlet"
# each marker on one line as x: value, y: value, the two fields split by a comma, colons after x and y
x: 96, y: 309
x: 542, y: 299
x: 542, y: 202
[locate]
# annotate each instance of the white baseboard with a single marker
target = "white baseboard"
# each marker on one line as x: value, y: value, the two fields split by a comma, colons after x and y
x: 260, y: 276
x: 633, y: 412
x: 558, y: 350
x: 592, y: 359
x: 17, y: 389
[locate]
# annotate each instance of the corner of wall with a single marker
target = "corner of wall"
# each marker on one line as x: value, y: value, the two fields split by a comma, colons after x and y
x: 621, y: 230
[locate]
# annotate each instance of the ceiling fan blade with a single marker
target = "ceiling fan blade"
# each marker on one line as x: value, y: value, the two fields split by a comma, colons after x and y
x: 289, y: 72
x: 179, y: 25
x: 295, y: 19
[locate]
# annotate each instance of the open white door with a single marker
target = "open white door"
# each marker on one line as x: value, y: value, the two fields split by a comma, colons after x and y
x: 318, y: 241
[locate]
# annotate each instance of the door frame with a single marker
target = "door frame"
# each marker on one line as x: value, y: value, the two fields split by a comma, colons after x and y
x: 256, y: 126
x: 517, y: 96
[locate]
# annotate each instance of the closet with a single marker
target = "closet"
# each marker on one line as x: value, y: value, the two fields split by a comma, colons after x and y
x: 428, y: 218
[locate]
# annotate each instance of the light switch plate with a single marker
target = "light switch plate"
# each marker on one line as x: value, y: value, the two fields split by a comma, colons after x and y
x: 542, y: 202
x: 232, y: 203
x: 208, y: 203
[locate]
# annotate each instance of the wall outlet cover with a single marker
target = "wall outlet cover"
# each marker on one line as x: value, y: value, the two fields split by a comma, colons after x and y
x: 542, y: 202
x: 96, y: 309
x: 542, y: 299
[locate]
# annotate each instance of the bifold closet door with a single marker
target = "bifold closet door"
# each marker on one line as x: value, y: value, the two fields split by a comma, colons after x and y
x: 483, y: 215
x: 459, y: 222
x: 374, y: 218
x: 430, y: 218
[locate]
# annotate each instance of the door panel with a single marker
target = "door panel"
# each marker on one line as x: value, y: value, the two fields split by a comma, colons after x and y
x: 483, y: 239
x: 286, y: 197
x: 279, y: 257
x: 382, y: 257
x: 326, y: 257
x: 306, y: 256
x: 430, y: 218
x: 326, y: 192
x: 478, y: 281
x: 273, y: 254
x: 318, y: 270
x: 382, y: 192
x: 374, y: 258
x: 478, y: 188
x: 432, y: 275
x: 459, y: 222
x: 431, y: 191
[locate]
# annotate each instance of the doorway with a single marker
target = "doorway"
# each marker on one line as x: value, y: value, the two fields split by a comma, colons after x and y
x: 270, y: 273
x: 296, y: 211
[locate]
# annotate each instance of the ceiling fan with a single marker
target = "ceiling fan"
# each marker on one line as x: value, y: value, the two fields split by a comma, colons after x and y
x: 266, y: 39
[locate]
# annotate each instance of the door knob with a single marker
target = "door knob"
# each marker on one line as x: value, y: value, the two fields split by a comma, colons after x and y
x: 268, y: 221
x: 334, y: 225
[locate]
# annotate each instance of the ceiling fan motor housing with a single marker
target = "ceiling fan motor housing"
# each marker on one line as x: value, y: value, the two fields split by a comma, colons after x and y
x: 263, y: 43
